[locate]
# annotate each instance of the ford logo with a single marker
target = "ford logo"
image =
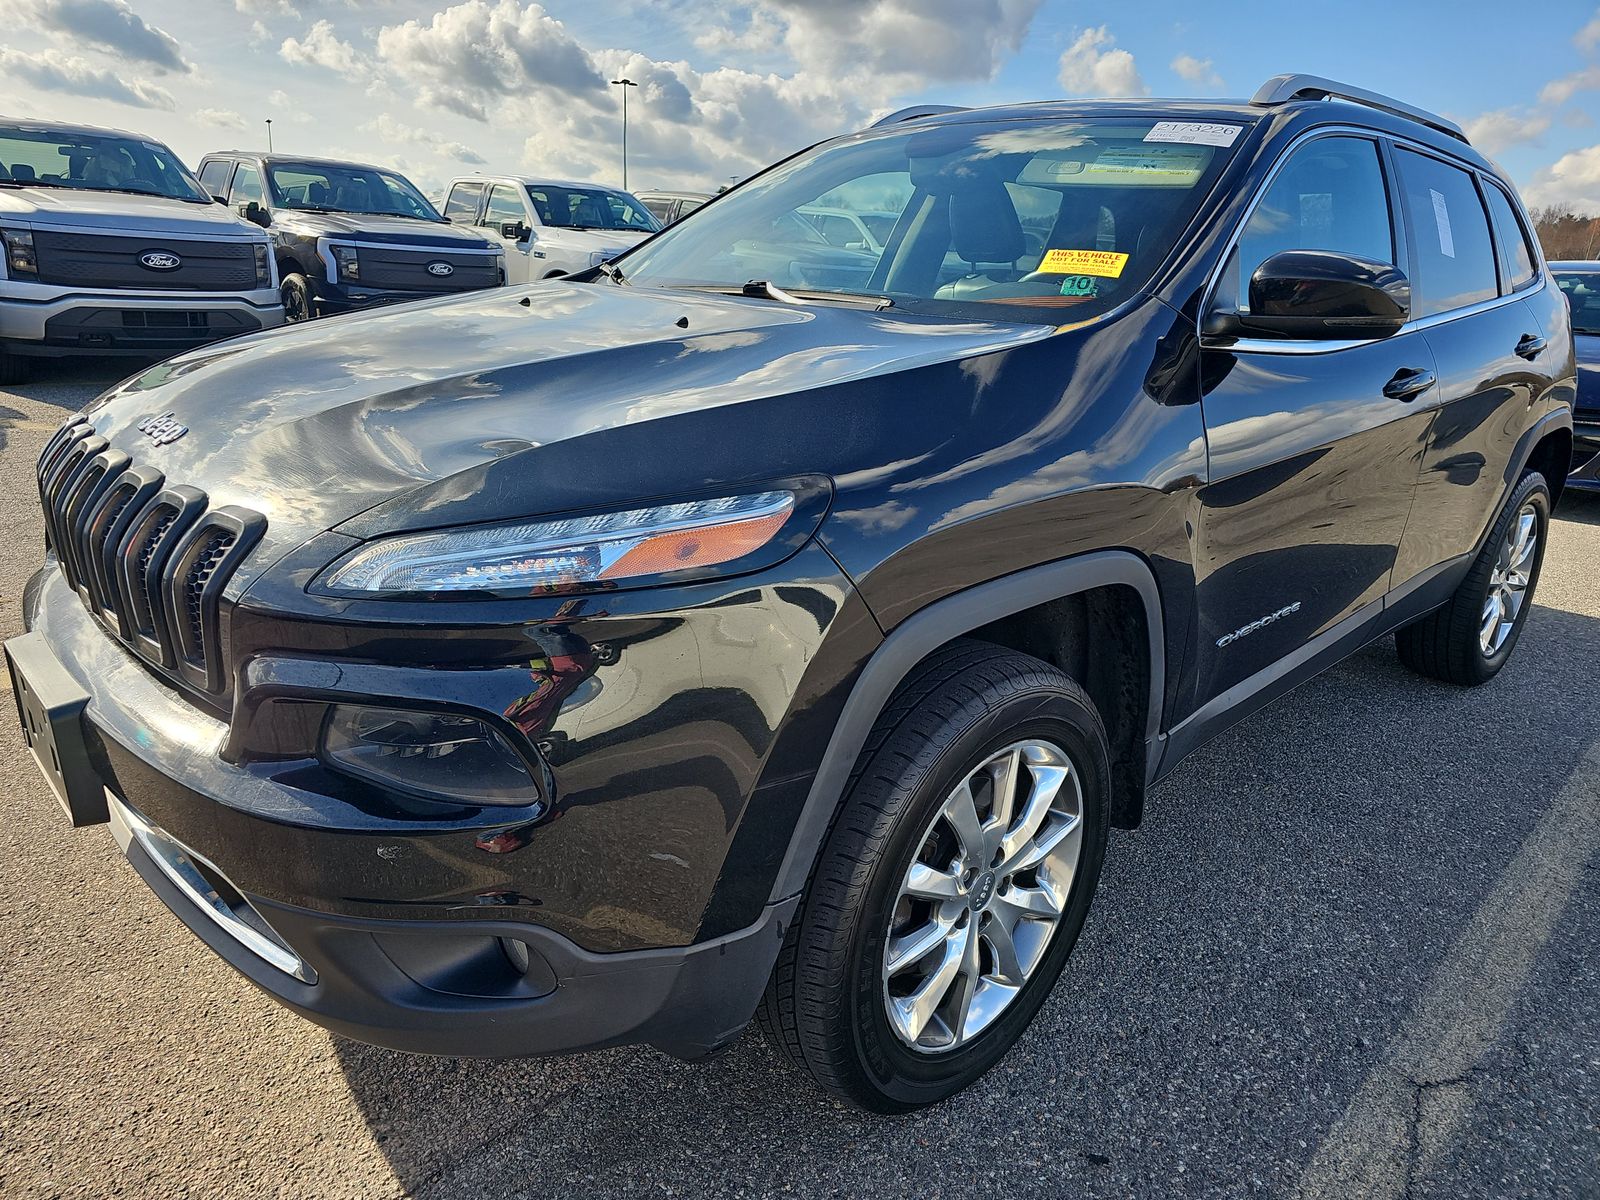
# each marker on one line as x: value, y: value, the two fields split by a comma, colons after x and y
x: 160, y: 260
x: 440, y: 269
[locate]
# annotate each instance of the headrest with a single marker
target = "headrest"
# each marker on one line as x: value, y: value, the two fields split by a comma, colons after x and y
x: 983, y: 223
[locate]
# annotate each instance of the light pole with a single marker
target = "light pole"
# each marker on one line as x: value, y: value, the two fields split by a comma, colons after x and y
x: 624, y: 84
x: 269, y: 135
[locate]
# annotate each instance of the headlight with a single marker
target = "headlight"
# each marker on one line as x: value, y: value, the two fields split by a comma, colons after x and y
x: 349, y: 263
x: 20, y: 260
x: 596, y: 257
x: 666, y: 543
x: 263, y: 265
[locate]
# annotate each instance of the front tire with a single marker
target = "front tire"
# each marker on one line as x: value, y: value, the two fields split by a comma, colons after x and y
x: 298, y: 302
x: 1471, y: 637
x: 953, y: 884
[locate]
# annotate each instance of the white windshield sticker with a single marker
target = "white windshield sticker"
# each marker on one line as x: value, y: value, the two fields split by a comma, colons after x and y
x: 1441, y: 218
x: 1193, y: 133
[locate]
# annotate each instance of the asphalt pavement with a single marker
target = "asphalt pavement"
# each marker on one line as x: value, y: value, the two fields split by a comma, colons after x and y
x: 1352, y: 953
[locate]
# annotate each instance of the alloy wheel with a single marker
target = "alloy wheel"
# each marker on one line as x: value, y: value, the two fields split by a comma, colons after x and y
x: 983, y: 896
x: 1508, y: 581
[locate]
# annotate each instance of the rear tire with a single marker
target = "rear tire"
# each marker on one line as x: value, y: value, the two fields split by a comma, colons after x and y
x: 1471, y: 637
x: 850, y: 1001
x: 14, y: 368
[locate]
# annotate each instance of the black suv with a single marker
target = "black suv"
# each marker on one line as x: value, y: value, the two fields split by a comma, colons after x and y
x: 349, y: 236
x: 602, y: 660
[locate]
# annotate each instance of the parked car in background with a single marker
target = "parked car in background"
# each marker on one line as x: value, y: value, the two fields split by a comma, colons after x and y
x: 110, y: 246
x: 672, y: 206
x: 1580, y: 281
x: 349, y: 236
x: 549, y: 228
x: 852, y: 230
x: 597, y: 668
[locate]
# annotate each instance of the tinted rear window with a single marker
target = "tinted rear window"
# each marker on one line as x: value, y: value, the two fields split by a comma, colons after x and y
x: 1455, y: 255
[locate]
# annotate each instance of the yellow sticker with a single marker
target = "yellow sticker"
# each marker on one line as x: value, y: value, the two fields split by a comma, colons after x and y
x: 1107, y: 264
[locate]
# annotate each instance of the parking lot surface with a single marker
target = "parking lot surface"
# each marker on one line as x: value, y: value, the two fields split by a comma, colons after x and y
x: 1351, y: 953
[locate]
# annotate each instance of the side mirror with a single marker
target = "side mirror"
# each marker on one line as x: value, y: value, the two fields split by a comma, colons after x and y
x: 254, y: 213
x: 516, y: 231
x: 1322, y: 295
x: 223, y: 200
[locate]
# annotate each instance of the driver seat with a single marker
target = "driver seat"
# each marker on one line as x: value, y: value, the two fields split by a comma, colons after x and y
x: 986, y: 234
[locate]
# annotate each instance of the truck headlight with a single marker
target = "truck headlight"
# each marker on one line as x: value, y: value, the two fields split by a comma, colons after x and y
x: 667, y: 543
x: 20, y: 259
x: 263, y: 265
x: 349, y: 264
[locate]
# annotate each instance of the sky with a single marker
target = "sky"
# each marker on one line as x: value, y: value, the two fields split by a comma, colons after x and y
x: 726, y: 86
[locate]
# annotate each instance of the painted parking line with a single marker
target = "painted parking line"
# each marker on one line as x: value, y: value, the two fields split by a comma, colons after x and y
x: 1412, y: 1106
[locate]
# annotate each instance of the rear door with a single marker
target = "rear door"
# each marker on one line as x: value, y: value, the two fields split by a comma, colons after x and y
x: 1313, y: 462
x: 1493, y: 354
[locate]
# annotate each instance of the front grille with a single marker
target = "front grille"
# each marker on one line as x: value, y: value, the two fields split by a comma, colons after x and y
x: 407, y: 270
x: 148, y: 558
x: 109, y: 261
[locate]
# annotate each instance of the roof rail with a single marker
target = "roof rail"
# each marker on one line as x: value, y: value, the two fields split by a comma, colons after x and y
x: 1280, y: 89
x: 915, y: 111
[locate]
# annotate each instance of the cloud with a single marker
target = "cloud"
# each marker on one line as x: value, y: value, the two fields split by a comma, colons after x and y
x: 321, y: 47
x: 1572, y: 181
x: 1094, y: 66
x: 1587, y: 39
x: 1197, y: 71
x: 52, y: 71
x: 1497, y: 131
x: 220, y: 118
x: 1559, y: 91
x: 109, y: 25
x: 400, y: 133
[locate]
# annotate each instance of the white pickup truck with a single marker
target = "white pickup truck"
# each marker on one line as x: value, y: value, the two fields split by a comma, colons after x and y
x: 549, y: 228
x: 108, y: 245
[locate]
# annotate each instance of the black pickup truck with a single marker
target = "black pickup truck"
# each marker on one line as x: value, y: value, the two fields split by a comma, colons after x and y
x: 349, y: 236
x: 603, y: 660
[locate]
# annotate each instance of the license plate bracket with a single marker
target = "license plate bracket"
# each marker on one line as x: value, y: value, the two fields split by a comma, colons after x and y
x: 50, y: 706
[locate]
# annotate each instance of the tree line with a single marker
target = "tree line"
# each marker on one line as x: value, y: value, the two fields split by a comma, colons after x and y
x: 1565, y: 234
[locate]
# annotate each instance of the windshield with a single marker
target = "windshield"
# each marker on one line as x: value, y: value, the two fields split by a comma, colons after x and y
x: 1034, y: 220
x: 94, y: 162
x: 590, y: 208
x: 330, y: 187
x: 1582, y: 289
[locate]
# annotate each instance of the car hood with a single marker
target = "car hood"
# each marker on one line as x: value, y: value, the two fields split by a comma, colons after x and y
x: 1587, y: 346
x: 122, y: 212
x: 313, y: 424
x: 374, y: 227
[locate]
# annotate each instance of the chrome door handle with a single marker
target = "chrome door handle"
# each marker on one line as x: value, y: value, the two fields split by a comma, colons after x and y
x: 1409, y: 382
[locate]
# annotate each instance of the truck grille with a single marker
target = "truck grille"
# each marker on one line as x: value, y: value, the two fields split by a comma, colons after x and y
x: 106, y: 261
x: 406, y: 269
x: 148, y: 558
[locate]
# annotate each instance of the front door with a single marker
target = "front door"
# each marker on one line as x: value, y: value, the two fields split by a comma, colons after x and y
x: 1313, y: 446
x: 504, y: 206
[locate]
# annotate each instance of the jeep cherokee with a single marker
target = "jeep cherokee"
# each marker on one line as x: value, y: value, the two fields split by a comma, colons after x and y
x: 602, y: 660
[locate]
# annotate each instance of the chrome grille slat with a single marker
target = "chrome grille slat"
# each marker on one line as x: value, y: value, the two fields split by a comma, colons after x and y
x: 148, y: 559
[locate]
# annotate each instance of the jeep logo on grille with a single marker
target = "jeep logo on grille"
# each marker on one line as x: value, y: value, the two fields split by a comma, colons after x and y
x: 440, y: 269
x: 162, y: 430
x: 160, y: 260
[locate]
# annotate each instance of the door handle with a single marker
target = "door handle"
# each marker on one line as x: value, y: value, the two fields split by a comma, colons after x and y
x: 1409, y: 382
x: 1530, y: 345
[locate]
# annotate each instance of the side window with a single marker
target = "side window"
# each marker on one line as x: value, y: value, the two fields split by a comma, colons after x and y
x: 246, y: 187
x: 462, y: 206
x: 1455, y: 255
x: 214, y: 176
x: 1516, y: 256
x: 661, y: 208
x: 685, y: 207
x: 1329, y: 195
x: 504, y: 207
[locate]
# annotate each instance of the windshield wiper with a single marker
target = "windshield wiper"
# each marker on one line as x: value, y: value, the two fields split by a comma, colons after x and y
x: 613, y: 273
x: 32, y: 183
x: 763, y: 289
x: 85, y: 187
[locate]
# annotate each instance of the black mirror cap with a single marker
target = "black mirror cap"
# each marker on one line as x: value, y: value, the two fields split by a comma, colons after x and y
x: 223, y: 200
x: 1326, y: 295
x: 515, y: 230
x: 260, y: 216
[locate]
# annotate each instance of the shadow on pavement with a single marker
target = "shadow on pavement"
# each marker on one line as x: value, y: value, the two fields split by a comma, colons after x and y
x: 1252, y: 953
x: 1583, y: 506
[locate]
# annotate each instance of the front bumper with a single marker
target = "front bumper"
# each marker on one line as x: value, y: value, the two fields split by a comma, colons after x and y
x: 331, y: 300
x: 1585, y: 453
x: 43, y: 320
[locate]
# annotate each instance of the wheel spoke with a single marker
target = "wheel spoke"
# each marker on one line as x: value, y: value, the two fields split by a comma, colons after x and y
x: 961, y: 810
x: 1527, y: 537
x: 1065, y: 834
x: 930, y: 883
x: 1047, y: 781
x: 913, y: 947
x: 1007, y: 966
x: 1040, y: 901
x: 966, y: 987
x: 1490, y: 622
x: 918, y: 1008
x: 1007, y: 774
